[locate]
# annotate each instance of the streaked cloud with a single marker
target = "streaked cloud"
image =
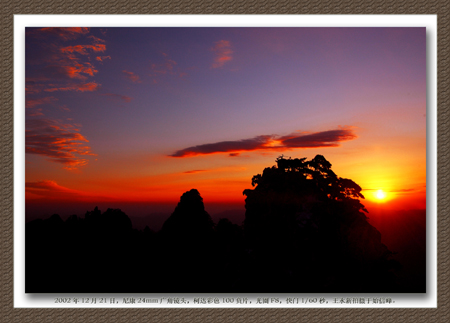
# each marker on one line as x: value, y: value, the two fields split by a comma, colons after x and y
x: 194, y: 171
x: 131, y: 76
x: 224, y: 146
x: 166, y: 66
x: 61, y: 143
x: 223, y: 52
x: 32, y: 103
x: 118, y: 96
x: 83, y: 49
x: 35, y: 85
x: 96, y: 39
x: 34, y: 112
x: 55, y: 67
x: 102, y: 58
x: 50, y: 189
x: 86, y: 87
x: 68, y: 33
x: 76, y: 71
x: 330, y: 138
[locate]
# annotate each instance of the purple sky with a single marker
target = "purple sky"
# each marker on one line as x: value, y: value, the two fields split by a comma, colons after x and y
x: 148, y: 113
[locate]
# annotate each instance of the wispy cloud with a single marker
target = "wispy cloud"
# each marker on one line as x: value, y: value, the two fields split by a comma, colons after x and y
x: 224, y: 146
x: 52, y: 66
x: 223, y: 52
x: 194, y: 171
x: 166, y: 66
x: 118, y: 96
x: 83, y: 49
x: 62, y: 143
x: 131, y: 76
x: 65, y: 33
x: 32, y: 103
x: 102, y: 58
x: 62, y: 66
x: 77, y: 71
x: 87, y: 87
x: 330, y: 138
x: 34, y: 113
x: 96, y: 39
x: 50, y: 189
x: 35, y: 85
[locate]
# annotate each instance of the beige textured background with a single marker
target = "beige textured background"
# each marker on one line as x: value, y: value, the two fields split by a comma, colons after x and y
x: 441, y: 8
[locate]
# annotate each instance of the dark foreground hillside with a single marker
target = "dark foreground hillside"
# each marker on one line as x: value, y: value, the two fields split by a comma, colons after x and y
x: 305, y: 230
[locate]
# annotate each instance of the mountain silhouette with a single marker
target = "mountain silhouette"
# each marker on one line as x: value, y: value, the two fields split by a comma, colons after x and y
x: 189, y: 220
x: 186, y: 255
x: 305, y: 230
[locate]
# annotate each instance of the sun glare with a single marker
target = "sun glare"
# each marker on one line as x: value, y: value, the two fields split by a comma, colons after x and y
x: 380, y: 195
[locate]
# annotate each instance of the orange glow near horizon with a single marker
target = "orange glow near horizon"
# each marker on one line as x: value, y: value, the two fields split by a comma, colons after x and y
x: 218, y: 179
x: 223, y: 185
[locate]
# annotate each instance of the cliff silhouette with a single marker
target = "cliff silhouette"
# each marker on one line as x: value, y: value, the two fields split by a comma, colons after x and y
x: 305, y: 230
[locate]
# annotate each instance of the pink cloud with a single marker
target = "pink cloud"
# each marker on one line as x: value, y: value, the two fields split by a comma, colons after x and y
x: 87, y: 87
x: 33, y: 89
x: 96, y: 39
x: 194, y: 171
x: 83, y: 49
x: 102, y: 58
x: 31, y: 103
x: 61, y: 143
x: 35, y: 113
x: 65, y: 33
x: 67, y: 68
x: 167, y: 67
x: 34, y: 85
x: 223, y: 52
x: 47, y: 187
x: 329, y: 138
x: 118, y: 96
x: 74, y: 71
x: 132, y: 77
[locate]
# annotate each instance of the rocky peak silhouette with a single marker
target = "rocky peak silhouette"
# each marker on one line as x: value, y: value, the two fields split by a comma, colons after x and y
x: 189, y: 217
x: 191, y: 201
x: 187, y: 239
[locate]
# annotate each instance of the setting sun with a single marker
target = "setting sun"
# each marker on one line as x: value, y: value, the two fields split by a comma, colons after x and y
x: 380, y: 194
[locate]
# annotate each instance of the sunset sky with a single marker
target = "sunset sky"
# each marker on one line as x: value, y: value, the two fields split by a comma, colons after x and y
x: 141, y: 115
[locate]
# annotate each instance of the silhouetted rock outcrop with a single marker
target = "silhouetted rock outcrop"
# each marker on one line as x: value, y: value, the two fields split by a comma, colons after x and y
x: 188, y: 247
x: 189, y: 220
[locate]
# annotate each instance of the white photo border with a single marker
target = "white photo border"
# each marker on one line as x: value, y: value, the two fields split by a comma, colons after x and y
x: 22, y: 300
